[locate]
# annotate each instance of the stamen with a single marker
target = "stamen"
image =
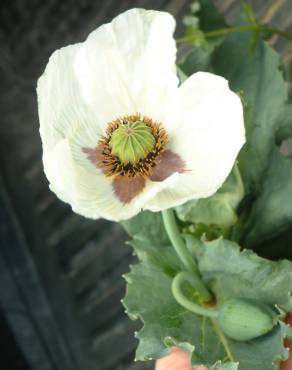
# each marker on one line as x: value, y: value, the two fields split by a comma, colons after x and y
x: 131, y: 146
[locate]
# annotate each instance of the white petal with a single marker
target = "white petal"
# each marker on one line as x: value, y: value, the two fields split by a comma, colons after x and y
x: 61, y: 107
x: 209, y: 134
x: 128, y: 65
x: 121, y: 69
x: 90, y: 194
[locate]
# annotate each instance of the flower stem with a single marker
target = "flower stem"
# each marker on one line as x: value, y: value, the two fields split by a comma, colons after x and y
x: 184, y: 301
x: 177, y: 241
x: 259, y: 28
x: 239, y: 181
x: 229, y: 30
x: 193, y: 275
x: 223, y: 339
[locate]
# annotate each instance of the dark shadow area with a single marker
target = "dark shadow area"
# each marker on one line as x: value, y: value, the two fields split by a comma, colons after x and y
x: 11, y: 357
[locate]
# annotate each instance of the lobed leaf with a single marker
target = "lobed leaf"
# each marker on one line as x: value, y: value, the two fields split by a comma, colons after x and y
x: 272, y: 211
x: 219, y: 209
x: 229, y: 273
x: 258, y: 76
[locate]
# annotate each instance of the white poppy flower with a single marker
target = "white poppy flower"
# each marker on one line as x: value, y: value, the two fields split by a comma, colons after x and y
x: 120, y: 135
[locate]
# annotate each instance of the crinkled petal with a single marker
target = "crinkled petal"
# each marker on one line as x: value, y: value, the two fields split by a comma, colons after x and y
x: 91, y: 194
x: 62, y: 109
x: 128, y: 66
x: 208, y: 136
x: 120, y: 69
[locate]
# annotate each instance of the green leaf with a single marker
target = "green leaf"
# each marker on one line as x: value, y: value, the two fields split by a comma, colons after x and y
x: 166, y: 324
x: 219, y: 209
x: 209, y: 16
x: 204, y: 17
x: 151, y: 243
x: 147, y: 226
x: 229, y: 273
x: 197, y: 59
x: 234, y: 273
x: 272, y: 211
x: 258, y: 76
x: 284, y: 123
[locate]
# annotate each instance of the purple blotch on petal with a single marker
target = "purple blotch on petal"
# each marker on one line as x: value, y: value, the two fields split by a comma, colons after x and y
x: 127, y: 188
x: 94, y: 155
x: 168, y: 163
x: 91, y: 154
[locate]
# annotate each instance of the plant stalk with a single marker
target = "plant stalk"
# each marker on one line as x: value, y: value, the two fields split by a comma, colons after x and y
x: 184, y: 301
x: 177, y: 241
x: 229, y: 30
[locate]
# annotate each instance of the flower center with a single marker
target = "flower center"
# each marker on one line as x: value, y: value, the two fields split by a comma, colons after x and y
x: 131, y: 147
x: 132, y: 141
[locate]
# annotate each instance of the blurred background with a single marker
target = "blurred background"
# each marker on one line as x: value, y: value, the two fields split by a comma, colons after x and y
x: 60, y: 274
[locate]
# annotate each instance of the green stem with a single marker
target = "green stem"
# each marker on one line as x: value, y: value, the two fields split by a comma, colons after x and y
x: 193, y: 276
x: 239, y: 181
x: 184, y: 301
x: 259, y: 28
x: 229, y: 30
x: 223, y: 339
x: 275, y: 31
x: 234, y: 232
x: 177, y: 241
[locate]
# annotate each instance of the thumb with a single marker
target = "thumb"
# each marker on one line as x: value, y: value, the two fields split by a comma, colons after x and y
x: 176, y: 360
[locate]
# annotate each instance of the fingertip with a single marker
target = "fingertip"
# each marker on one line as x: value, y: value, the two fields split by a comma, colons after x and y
x: 176, y: 360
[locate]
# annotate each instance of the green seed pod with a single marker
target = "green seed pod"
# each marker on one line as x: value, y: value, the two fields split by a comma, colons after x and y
x: 243, y: 319
x: 132, y: 141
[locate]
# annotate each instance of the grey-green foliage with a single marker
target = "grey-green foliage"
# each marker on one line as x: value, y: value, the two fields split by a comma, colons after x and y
x: 219, y: 209
x: 209, y: 18
x: 204, y: 17
x: 198, y: 59
x: 257, y: 75
x: 229, y: 273
x: 284, y: 123
x: 272, y: 210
